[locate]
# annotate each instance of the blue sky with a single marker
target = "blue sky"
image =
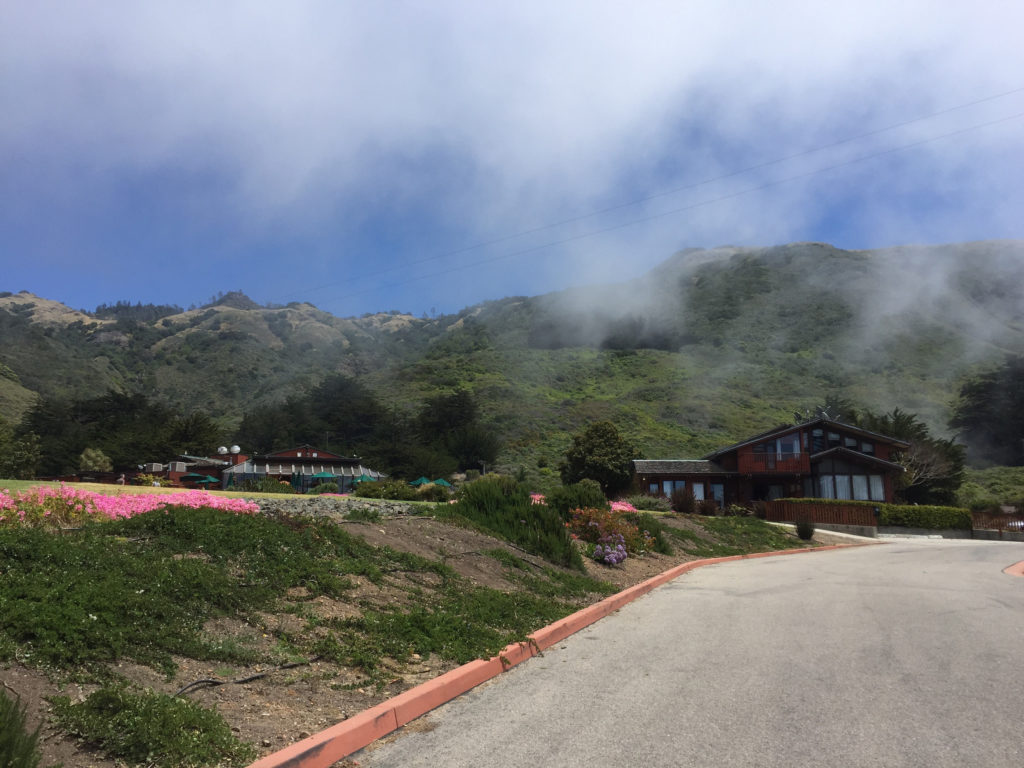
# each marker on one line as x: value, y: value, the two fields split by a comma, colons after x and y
x: 426, y: 156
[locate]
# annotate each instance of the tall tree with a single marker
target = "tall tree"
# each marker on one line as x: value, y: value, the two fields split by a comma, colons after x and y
x: 600, y: 453
x: 934, y: 467
x: 989, y: 414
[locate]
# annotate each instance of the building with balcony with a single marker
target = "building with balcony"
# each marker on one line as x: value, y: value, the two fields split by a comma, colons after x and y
x: 820, y: 458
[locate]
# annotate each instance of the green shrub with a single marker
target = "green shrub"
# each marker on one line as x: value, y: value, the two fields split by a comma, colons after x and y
x: 152, y: 729
x: 651, y: 503
x: 324, y: 488
x: 502, y: 507
x: 683, y: 501
x: 586, y: 494
x: 18, y: 747
x: 734, y: 510
x: 908, y: 516
x: 264, y: 485
x: 805, y: 529
x: 654, y: 529
x: 396, y: 490
x: 433, y: 492
x: 925, y: 516
x: 364, y: 514
x: 145, y: 479
x: 708, y: 507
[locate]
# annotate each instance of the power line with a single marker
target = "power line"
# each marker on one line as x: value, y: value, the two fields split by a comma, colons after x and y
x: 657, y: 195
x: 673, y: 211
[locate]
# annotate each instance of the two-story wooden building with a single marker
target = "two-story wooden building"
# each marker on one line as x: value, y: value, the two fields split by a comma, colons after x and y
x: 820, y: 458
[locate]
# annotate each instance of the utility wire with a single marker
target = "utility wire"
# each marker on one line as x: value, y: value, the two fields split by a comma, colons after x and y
x: 674, y: 211
x: 658, y: 195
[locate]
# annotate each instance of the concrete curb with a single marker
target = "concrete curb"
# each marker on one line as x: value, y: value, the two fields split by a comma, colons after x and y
x: 1017, y: 569
x: 337, y: 742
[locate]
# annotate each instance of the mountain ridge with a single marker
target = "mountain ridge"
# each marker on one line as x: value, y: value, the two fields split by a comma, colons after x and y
x: 708, y: 346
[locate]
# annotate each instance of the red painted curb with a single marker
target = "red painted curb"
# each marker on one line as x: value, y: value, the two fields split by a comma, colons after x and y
x: 323, y: 749
x: 1017, y: 569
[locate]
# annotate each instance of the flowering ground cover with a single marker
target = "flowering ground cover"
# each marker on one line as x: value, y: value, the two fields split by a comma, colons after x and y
x: 66, y: 506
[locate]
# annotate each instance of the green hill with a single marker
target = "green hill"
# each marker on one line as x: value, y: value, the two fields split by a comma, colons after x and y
x: 707, y: 348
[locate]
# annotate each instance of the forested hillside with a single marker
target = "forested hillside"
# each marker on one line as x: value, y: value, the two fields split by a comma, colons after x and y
x: 708, y: 348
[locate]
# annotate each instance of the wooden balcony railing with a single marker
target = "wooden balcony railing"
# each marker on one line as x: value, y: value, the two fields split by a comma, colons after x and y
x: 774, y: 462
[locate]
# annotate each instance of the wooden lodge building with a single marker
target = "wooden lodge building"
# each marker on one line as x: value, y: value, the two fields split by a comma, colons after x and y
x: 820, y: 458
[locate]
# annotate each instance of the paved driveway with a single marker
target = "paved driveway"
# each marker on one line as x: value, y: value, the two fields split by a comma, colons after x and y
x: 905, y: 654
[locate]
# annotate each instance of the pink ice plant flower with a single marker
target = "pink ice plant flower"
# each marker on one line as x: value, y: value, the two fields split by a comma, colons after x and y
x: 623, y: 506
x: 113, y: 507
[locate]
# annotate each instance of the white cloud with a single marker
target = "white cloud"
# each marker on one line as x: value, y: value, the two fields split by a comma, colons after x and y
x: 491, y: 119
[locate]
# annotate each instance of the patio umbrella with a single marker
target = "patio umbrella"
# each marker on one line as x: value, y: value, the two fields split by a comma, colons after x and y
x: 207, y: 480
x: 193, y: 476
x: 364, y: 479
x: 442, y: 481
x: 421, y: 481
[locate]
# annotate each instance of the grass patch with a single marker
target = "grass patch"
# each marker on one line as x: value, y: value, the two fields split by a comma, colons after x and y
x: 143, y: 588
x: 738, y: 536
x: 152, y: 729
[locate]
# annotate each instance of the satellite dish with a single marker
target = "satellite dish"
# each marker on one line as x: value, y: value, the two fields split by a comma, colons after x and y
x: 222, y: 450
x: 235, y: 449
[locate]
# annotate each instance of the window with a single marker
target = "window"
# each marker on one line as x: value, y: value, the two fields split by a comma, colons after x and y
x: 842, y: 486
x: 718, y: 493
x: 860, y: 488
x: 877, y: 488
x: 667, y: 486
x: 850, y: 442
x: 833, y: 439
x: 827, y: 487
x: 817, y: 440
x: 653, y: 489
x: 868, y: 448
x: 698, y: 491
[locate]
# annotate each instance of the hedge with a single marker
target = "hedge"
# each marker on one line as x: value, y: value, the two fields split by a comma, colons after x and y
x: 919, y: 516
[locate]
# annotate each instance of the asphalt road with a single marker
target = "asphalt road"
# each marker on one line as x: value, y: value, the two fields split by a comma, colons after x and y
x: 903, y: 654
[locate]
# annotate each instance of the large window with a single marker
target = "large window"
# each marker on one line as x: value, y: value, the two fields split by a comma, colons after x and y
x: 855, y: 487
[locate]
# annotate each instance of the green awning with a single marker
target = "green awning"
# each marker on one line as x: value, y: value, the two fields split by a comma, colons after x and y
x: 323, y: 476
x: 442, y: 481
x: 364, y: 479
x: 193, y: 476
x: 421, y: 481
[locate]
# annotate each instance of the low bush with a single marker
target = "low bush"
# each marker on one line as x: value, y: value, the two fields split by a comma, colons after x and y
x: 502, y: 507
x: 683, y: 501
x: 18, y: 747
x: 805, y: 529
x: 931, y: 517
x: 433, y: 492
x: 152, y: 729
x: 163, y: 482
x: 396, y: 490
x: 586, y: 494
x: 650, y: 503
x: 735, y: 510
x: 595, y: 526
x: 708, y: 507
x: 324, y: 488
x: 265, y: 485
x: 653, y: 528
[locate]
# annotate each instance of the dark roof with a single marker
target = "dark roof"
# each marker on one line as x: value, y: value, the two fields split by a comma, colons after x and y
x: 821, y: 420
x: 863, y: 458
x: 678, y: 467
